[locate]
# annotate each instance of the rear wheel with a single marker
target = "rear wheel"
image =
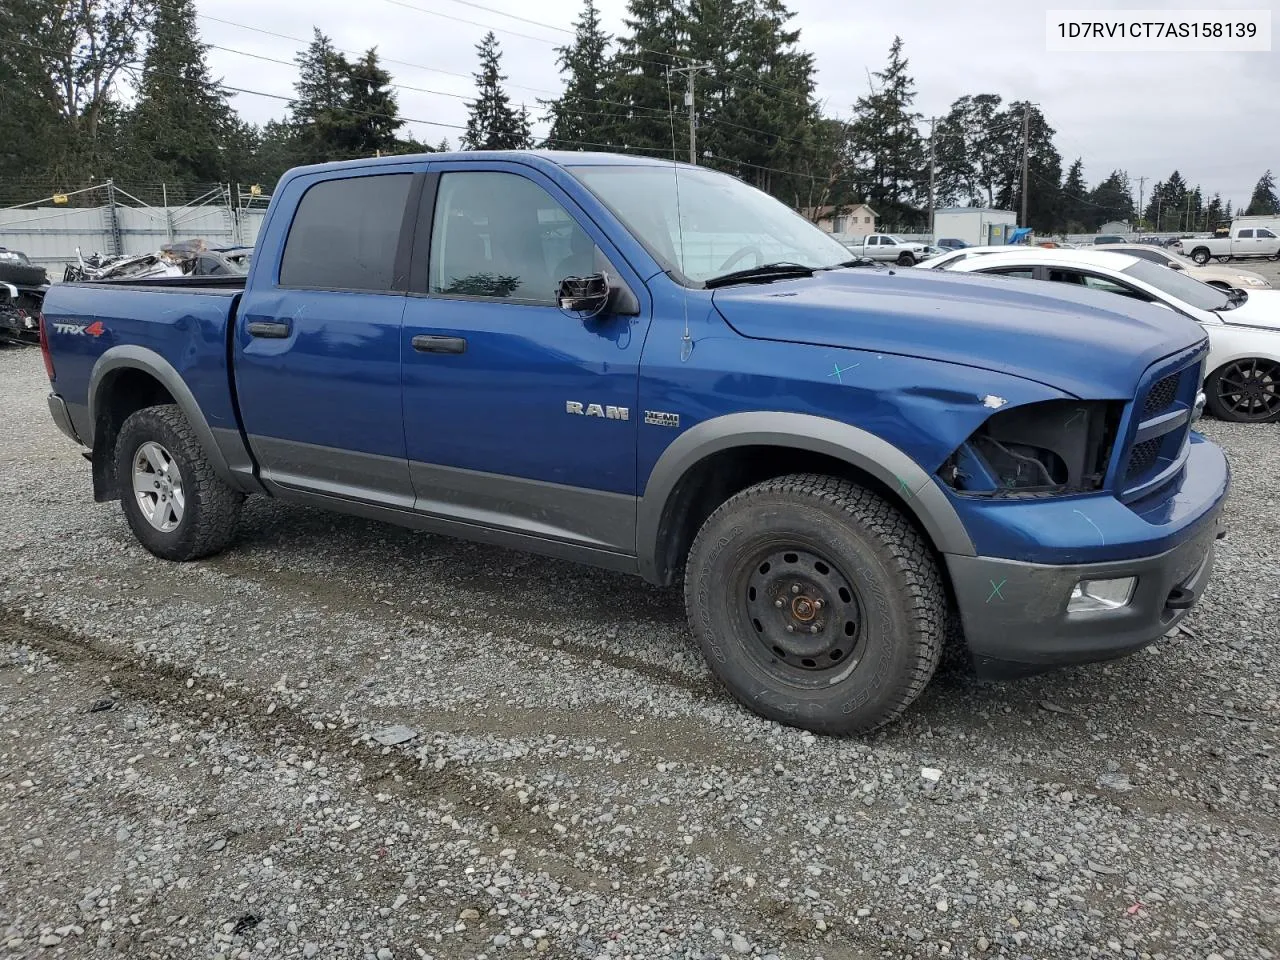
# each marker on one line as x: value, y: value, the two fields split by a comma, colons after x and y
x: 177, y: 507
x: 1200, y: 255
x: 816, y: 604
x: 1245, y: 391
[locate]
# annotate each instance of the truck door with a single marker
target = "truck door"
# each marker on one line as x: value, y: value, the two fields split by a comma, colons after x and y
x: 317, y: 340
x: 518, y: 415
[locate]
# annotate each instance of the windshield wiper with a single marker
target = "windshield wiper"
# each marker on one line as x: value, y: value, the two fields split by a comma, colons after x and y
x: 762, y: 273
x: 855, y: 262
x: 1234, y: 299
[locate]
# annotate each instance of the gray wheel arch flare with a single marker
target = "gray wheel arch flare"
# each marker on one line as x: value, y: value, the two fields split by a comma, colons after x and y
x: 132, y: 357
x: 799, y: 431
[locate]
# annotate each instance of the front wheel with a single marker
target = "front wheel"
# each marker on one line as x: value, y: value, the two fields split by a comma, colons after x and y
x: 1245, y: 391
x: 177, y: 507
x: 906, y: 259
x: 816, y: 604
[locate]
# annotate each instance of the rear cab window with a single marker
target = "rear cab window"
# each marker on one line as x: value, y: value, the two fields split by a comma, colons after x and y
x: 345, y: 234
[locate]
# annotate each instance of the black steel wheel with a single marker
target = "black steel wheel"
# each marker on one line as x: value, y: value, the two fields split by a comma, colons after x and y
x: 805, y: 613
x: 1245, y: 391
x: 816, y: 603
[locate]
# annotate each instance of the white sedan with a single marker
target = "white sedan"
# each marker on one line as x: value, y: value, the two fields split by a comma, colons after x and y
x: 1242, y: 377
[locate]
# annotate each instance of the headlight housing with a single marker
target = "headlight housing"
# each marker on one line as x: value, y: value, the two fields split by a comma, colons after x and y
x: 1045, y: 449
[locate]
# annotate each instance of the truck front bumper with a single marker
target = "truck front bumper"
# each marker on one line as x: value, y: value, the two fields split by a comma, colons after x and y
x: 1016, y: 619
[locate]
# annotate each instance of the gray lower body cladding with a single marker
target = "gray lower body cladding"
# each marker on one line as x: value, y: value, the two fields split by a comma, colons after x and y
x: 1015, y: 615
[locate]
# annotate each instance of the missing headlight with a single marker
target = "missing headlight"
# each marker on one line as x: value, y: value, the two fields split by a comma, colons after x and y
x: 1041, y: 449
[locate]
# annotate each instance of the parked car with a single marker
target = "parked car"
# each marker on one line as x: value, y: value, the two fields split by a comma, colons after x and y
x: 25, y: 284
x: 1109, y: 238
x: 1216, y: 276
x: 951, y: 243
x: 942, y: 261
x: 887, y: 248
x: 1242, y: 375
x: 832, y: 459
x: 1244, y: 243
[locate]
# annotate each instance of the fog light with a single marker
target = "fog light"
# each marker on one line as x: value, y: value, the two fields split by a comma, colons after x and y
x: 1101, y: 594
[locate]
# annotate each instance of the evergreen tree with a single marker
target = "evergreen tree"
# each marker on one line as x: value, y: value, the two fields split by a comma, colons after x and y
x: 373, y: 114
x: 578, y: 116
x: 653, y: 41
x: 493, y: 124
x: 1166, y: 210
x: 180, y: 125
x: 318, y: 114
x: 1044, y: 166
x: 1214, y: 212
x: 886, y: 147
x: 1264, y: 200
x: 1075, y: 200
x: 1112, y: 199
x: 968, y: 143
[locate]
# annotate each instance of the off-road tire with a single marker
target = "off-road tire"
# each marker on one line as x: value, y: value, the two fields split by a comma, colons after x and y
x: 23, y: 274
x: 212, y: 508
x: 906, y: 259
x: 875, y: 550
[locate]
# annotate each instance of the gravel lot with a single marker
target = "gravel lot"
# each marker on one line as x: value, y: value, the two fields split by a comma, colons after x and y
x: 188, y: 762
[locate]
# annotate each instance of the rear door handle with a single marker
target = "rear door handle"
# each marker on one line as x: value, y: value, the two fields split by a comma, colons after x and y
x: 270, y: 329
x: 424, y: 343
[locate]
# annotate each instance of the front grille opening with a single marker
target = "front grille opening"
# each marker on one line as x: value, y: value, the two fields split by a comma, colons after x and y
x: 1161, y: 395
x: 1143, y: 457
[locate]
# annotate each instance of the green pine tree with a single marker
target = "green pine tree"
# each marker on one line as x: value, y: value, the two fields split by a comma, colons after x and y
x: 318, y: 113
x: 180, y: 126
x: 1264, y: 200
x: 1044, y: 166
x: 578, y: 117
x: 637, y: 79
x: 493, y: 124
x: 886, y: 145
x: 373, y: 113
x: 1075, y: 200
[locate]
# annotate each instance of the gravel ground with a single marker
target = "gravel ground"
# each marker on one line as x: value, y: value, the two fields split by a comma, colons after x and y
x: 190, y: 763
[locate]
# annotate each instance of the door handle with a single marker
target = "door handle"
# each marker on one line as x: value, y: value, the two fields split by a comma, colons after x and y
x: 269, y: 329
x: 425, y: 343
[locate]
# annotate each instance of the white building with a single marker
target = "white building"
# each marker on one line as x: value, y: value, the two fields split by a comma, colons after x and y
x: 1120, y: 227
x: 977, y: 226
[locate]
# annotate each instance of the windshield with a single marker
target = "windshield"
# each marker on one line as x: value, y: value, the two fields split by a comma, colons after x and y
x: 723, y: 224
x: 1179, y: 285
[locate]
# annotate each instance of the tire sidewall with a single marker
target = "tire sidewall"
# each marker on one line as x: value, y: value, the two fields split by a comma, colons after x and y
x: 884, y: 654
x: 142, y: 427
x: 1216, y: 406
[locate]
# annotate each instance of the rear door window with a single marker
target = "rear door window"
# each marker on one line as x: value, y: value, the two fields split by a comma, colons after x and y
x: 1246, y: 234
x: 345, y: 234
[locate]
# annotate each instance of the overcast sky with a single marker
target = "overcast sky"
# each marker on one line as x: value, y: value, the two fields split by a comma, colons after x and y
x: 1213, y: 116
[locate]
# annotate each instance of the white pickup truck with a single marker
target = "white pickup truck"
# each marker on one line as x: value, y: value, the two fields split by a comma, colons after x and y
x: 884, y: 246
x: 1244, y: 243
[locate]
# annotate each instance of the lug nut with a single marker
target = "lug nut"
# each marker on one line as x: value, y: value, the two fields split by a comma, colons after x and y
x: 818, y: 604
x: 814, y: 628
x: 795, y: 588
x: 791, y: 628
x: 777, y: 603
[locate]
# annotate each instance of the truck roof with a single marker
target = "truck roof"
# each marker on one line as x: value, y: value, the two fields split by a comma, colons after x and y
x: 558, y: 158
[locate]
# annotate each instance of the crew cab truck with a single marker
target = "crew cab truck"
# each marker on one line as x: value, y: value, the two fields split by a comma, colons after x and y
x: 1243, y: 243
x: 886, y: 248
x: 657, y: 369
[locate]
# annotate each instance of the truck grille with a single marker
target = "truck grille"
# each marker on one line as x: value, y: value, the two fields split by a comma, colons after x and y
x: 1162, y: 395
x: 1157, y: 444
x: 1143, y: 456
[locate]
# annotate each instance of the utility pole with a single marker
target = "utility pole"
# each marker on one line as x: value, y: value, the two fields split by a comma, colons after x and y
x: 933, y: 123
x: 1026, y: 156
x: 1142, y: 182
x: 690, y: 72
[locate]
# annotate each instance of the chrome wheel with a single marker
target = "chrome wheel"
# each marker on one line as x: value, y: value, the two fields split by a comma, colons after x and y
x: 157, y: 485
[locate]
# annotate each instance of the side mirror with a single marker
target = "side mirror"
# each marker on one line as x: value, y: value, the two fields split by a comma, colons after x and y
x: 586, y: 295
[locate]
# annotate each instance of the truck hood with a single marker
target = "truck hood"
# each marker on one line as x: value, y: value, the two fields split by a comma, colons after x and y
x: 1089, y: 343
x: 1262, y: 309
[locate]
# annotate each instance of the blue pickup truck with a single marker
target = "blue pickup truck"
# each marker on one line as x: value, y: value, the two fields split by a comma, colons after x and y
x: 655, y: 368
